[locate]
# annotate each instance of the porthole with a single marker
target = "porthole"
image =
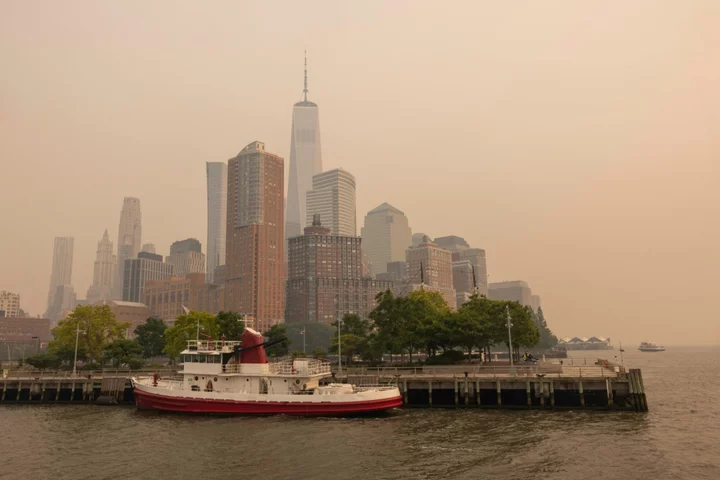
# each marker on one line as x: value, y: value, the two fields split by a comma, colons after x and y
x: 203, y: 378
x: 215, y: 379
x: 297, y: 381
x: 247, y: 379
x: 196, y: 378
x: 226, y: 379
x: 285, y: 380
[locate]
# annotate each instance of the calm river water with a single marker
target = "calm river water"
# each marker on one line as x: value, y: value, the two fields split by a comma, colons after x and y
x: 678, y: 439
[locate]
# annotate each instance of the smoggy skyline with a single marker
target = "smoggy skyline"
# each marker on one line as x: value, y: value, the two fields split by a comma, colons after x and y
x: 577, y: 143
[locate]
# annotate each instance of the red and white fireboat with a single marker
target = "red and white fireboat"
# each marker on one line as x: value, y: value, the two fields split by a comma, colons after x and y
x: 236, y: 377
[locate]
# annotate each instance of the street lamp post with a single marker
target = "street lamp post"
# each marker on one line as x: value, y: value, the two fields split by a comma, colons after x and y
x: 77, y: 337
x: 303, y: 334
x: 22, y: 353
x: 339, y: 353
x: 509, y: 325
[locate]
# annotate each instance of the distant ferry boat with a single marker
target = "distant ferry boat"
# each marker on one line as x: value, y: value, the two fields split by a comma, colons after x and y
x: 651, y: 347
x: 236, y: 377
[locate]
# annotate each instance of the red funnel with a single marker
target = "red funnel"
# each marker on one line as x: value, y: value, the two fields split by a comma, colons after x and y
x: 251, y: 353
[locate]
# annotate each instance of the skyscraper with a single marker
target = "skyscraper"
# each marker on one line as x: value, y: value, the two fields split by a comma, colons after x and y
x: 255, y: 261
x: 61, y: 267
x: 386, y: 235
x: 325, y: 277
x: 64, y: 301
x: 186, y: 257
x: 104, y: 272
x: 462, y: 251
x: 129, y: 239
x: 216, y: 216
x: 305, y: 161
x: 430, y: 267
x: 535, y: 303
x: 514, y: 291
x: 333, y: 198
x: 138, y: 271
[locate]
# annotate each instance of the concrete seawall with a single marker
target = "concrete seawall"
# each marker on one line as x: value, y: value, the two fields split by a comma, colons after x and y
x: 595, y: 387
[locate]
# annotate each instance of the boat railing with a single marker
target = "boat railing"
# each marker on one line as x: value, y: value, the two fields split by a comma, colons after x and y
x: 304, y: 366
x: 604, y: 369
x: 232, y: 368
x: 212, y: 345
x: 372, y: 388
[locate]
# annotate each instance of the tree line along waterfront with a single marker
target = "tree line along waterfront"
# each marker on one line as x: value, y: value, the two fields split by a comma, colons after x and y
x: 399, y: 326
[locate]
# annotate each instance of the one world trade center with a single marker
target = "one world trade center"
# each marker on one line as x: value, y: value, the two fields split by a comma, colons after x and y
x: 305, y: 161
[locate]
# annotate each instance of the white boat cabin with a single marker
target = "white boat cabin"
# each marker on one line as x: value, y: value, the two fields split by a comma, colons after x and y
x: 242, y: 367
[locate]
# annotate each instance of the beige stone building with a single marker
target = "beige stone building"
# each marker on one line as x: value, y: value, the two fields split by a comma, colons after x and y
x: 134, y: 313
x: 430, y: 267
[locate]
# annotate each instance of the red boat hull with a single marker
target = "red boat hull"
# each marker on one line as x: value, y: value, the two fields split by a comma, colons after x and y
x: 197, y: 405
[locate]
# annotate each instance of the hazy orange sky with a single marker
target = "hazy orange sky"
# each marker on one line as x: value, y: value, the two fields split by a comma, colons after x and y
x: 577, y: 142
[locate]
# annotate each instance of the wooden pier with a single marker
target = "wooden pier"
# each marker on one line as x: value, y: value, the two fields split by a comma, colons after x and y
x: 550, y: 386
x: 546, y: 386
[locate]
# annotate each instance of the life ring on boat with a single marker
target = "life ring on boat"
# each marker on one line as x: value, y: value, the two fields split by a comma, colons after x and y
x: 209, y: 386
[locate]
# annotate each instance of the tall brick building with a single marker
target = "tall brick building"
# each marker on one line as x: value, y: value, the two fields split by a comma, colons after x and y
x: 325, y: 277
x: 255, y: 236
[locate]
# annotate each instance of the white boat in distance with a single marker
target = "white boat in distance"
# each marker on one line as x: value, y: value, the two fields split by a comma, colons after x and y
x: 650, y: 347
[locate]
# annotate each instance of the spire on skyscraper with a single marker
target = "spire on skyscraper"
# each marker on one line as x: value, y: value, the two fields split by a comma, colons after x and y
x: 305, y: 90
x: 305, y: 161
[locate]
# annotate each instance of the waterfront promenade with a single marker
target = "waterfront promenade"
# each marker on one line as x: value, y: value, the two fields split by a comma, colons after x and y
x: 586, y: 384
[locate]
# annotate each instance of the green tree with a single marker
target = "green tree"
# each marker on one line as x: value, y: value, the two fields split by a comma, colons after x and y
x: 426, y: 315
x: 547, y: 338
x: 352, y: 323
x: 317, y: 335
x: 151, y: 337
x: 387, y: 320
x: 122, y: 352
x: 319, y: 353
x: 186, y: 328
x: 277, y: 332
x: 44, y: 361
x: 473, y: 327
x: 231, y: 325
x: 98, y: 327
x: 351, y: 345
x: 66, y: 353
x: 354, y: 336
x: 524, y: 330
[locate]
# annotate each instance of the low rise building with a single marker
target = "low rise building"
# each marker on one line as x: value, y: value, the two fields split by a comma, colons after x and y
x: 23, y: 337
x: 134, y: 313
